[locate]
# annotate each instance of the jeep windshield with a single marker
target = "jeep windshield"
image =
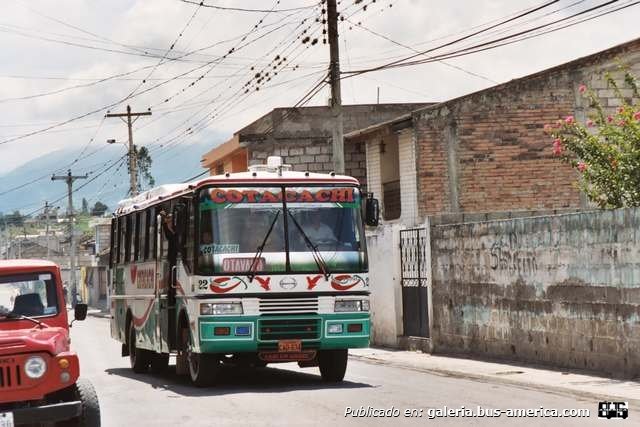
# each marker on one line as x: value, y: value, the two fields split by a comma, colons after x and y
x: 28, y: 294
x: 291, y: 229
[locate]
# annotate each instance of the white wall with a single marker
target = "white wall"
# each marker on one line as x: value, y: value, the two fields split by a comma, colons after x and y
x: 384, y: 279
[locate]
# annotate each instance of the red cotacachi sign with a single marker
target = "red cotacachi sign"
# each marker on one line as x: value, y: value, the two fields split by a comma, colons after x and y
x: 332, y: 195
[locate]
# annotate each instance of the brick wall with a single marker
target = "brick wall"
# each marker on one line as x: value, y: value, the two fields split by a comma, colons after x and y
x: 560, y: 289
x: 487, y: 151
x: 313, y: 155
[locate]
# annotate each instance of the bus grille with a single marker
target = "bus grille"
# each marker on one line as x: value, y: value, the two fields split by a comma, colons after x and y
x: 10, y: 376
x: 289, y: 329
x: 288, y: 305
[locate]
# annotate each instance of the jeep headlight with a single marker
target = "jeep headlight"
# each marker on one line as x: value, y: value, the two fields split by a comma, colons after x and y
x: 216, y: 309
x: 35, y: 367
x: 351, y: 305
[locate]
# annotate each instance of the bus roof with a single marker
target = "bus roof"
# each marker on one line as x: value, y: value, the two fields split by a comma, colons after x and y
x: 169, y: 191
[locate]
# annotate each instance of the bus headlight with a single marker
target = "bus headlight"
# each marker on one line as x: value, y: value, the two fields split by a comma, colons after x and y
x: 215, y: 309
x: 351, y: 305
x: 35, y: 367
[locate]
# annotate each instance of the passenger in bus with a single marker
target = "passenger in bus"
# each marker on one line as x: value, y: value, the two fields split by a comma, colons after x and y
x: 318, y: 231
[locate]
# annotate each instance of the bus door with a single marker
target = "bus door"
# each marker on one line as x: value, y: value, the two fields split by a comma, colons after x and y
x: 163, y: 284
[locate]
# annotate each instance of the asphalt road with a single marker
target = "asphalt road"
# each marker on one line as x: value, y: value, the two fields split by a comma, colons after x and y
x: 288, y: 395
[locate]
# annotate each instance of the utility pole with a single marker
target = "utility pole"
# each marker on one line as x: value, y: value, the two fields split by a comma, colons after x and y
x: 133, y: 161
x: 72, y: 238
x: 46, y: 233
x: 336, y: 96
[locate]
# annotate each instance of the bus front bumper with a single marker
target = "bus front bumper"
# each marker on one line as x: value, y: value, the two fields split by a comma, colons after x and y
x: 235, y: 334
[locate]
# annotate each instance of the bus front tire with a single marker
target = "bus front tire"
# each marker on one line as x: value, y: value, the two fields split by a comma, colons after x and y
x: 333, y: 364
x: 138, y: 357
x: 203, y: 368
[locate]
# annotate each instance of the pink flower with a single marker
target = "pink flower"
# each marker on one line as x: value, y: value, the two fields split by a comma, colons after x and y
x: 609, y: 119
x: 636, y: 115
x: 582, y: 166
x: 557, y: 147
x: 569, y: 120
x: 621, y: 110
x: 582, y: 88
x: 622, y: 123
x: 589, y: 123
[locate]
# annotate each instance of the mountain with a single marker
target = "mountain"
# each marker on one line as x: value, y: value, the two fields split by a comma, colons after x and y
x: 172, y: 165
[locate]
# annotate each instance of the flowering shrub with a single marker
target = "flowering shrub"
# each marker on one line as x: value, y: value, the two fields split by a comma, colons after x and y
x: 605, y: 150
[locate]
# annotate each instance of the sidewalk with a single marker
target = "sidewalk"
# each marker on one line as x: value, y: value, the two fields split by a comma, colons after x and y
x: 95, y: 312
x: 577, y: 383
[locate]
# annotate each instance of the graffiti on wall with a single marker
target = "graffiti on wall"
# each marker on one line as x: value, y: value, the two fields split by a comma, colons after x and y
x: 507, y: 256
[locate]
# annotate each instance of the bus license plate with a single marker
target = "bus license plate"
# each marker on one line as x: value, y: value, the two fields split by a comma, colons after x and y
x: 289, y: 346
x: 6, y: 419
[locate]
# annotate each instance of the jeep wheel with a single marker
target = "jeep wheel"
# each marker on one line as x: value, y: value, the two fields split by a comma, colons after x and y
x: 138, y: 358
x: 90, y: 408
x: 333, y: 364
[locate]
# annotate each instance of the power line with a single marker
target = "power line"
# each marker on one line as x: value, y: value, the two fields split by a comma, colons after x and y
x: 479, y: 47
x: 239, y: 9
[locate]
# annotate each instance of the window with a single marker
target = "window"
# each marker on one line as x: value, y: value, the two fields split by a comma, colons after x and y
x: 154, y: 236
x: 113, y: 242
x: 122, y: 234
x: 127, y: 240
x: 390, y: 177
x: 145, y: 234
x: 28, y: 294
x: 136, y: 236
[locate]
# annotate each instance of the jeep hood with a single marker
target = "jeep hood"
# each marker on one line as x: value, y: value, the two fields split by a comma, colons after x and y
x: 52, y: 340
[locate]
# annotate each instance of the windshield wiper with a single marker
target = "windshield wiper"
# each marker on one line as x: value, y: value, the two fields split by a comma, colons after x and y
x: 13, y: 316
x: 317, y: 256
x: 251, y: 273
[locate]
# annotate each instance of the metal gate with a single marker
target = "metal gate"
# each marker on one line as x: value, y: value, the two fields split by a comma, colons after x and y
x: 414, y: 268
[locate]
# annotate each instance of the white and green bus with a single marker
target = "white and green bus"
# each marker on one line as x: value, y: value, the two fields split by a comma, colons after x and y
x: 258, y: 267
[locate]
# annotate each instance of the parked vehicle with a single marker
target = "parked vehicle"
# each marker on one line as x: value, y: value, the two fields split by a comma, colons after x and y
x: 257, y: 267
x: 38, y: 372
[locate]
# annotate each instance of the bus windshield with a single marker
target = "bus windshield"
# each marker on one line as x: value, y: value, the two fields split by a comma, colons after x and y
x: 280, y: 229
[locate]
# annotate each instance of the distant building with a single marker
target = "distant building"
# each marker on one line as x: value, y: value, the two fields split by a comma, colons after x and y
x: 302, y: 136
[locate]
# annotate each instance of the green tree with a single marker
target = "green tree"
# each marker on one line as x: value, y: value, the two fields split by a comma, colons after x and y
x: 99, y: 209
x: 605, y: 150
x: 144, y: 168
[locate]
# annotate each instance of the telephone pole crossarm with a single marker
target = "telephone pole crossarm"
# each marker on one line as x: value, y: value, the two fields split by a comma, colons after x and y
x: 133, y: 161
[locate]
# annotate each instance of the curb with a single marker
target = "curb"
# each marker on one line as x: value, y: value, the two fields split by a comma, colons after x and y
x: 491, y: 379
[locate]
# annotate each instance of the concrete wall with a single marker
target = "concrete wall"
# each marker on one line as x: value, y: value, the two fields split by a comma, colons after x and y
x: 562, y: 289
x: 384, y: 281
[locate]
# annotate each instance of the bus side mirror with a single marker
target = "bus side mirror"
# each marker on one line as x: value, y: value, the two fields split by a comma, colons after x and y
x: 371, y: 211
x: 179, y: 219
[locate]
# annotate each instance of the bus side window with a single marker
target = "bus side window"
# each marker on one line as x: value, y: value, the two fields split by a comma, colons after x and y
x: 189, y: 240
x: 122, y: 232
x: 144, y: 244
x: 112, y: 242
x: 127, y: 241
x: 153, y: 243
x: 136, y: 236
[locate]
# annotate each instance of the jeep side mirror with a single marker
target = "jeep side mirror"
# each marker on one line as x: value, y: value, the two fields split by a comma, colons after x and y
x: 80, y: 311
x: 372, y: 211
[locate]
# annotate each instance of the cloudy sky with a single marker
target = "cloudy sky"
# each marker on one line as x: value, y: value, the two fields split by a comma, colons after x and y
x: 64, y: 63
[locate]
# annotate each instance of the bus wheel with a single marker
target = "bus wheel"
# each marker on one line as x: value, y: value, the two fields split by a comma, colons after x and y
x: 159, y: 362
x: 333, y: 364
x: 138, y: 357
x: 203, y: 368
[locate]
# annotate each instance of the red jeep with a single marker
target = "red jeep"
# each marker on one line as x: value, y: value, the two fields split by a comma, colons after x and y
x: 38, y: 373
